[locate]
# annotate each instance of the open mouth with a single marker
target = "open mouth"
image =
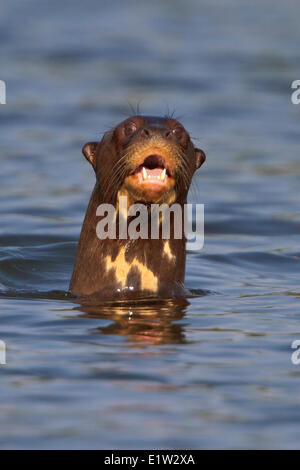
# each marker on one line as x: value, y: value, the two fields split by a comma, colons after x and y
x: 153, y: 170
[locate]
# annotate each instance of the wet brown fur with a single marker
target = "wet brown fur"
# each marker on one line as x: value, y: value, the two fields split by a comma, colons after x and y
x: 111, y: 269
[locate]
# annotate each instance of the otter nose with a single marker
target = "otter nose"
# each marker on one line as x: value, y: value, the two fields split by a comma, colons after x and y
x: 152, y: 131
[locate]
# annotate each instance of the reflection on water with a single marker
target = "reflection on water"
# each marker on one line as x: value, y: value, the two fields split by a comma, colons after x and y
x: 151, y: 323
x: 210, y: 371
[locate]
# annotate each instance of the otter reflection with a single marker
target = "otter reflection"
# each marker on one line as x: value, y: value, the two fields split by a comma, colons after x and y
x: 141, y: 322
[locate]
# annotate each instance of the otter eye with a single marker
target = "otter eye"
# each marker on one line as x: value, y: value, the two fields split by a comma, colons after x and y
x: 130, y: 128
x: 178, y: 131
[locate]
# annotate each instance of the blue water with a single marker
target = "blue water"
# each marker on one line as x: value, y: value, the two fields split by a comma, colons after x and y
x: 214, y: 371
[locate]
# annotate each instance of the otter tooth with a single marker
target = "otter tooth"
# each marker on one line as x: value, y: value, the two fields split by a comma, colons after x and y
x: 144, y: 173
x: 163, y: 174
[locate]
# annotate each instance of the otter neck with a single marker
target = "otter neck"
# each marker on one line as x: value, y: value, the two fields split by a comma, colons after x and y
x: 126, y: 266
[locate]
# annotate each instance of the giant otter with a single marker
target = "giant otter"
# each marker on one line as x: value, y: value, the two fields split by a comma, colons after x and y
x: 150, y: 160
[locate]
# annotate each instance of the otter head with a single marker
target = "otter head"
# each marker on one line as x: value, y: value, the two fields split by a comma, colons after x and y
x: 151, y: 159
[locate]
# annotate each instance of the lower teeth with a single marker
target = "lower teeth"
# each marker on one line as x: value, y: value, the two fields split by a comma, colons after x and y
x: 160, y: 177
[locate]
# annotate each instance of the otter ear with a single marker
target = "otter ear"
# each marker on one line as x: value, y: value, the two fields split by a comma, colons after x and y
x: 89, y: 151
x: 200, y: 157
